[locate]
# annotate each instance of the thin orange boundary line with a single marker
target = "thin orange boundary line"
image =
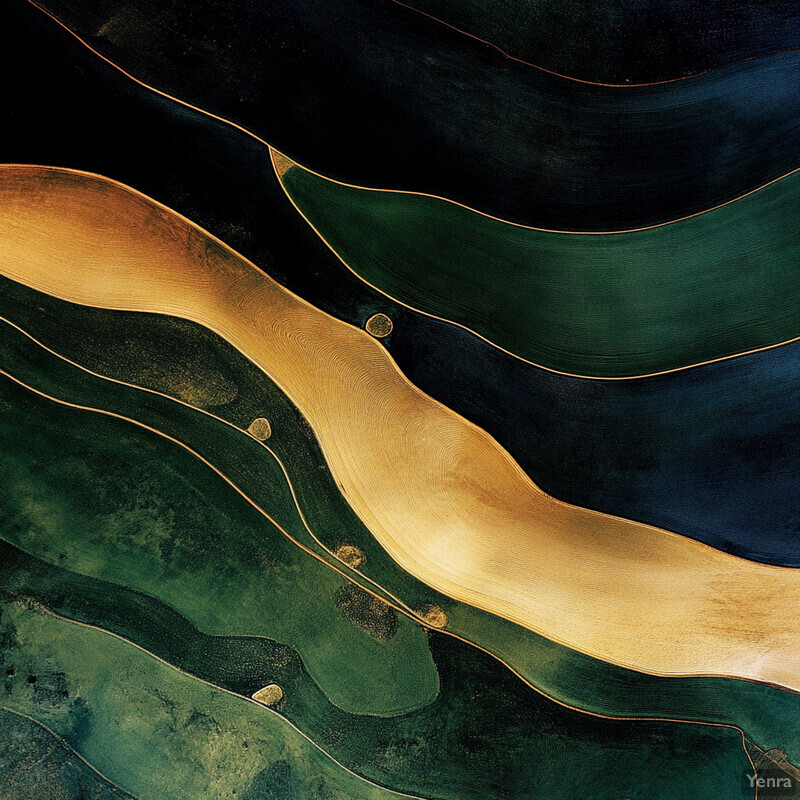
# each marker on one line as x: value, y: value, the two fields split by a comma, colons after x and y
x: 413, y: 387
x: 396, y: 191
x: 42, y: 608
x: 523, y: 475
x: 437, y: 197
x: 253, y: 135
x: 412, y: 616
x: 728, y: 726
x: 773, y: 761
x: 209, y: 414
x: 222, y: 475
x: 479, y: 335
x: 594, y: 83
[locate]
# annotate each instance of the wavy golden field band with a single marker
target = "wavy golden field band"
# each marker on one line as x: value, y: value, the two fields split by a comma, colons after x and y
x: 442, y: 497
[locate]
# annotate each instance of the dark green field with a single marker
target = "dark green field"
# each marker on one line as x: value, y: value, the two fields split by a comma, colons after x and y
x: 562, y: 673
x: 173, y: 543
x: 153, y: 730
x: 617, y: 305
x: 35, y: 763
x: 90, y: 494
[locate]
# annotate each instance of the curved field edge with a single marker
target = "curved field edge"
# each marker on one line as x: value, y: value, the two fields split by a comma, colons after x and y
x: 524, y: 171
x: 613, y: 305
x: 36, y: 763
x: 194, y: 544
x: 219, y: 177
x: 431, y: 744
x: 630, y: 43
x: 384, y: 467
x: 203, y: 373
x: 483, y: 679
x: 178, y: 737
x: 129, y: 340
x: 712, y: 453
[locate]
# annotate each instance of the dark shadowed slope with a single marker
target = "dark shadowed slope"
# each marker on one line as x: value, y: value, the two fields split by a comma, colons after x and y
x: 628, y: 41
x: 378, y: 95
x: 224, y: 181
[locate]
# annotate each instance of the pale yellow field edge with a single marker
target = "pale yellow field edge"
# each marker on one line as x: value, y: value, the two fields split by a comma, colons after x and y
x: 43, y: 608
x: 767, y: 644
x: 279, y: 175
x: 61, y: 740
x: 455, y: 202
x: 263, y: 444
x: 398, y: 605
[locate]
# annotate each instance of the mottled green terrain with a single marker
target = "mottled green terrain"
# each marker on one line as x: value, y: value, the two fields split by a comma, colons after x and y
x: 430, y: 751
x: 36, y: 764
x: 562, y: 673
x: 152, y: 730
